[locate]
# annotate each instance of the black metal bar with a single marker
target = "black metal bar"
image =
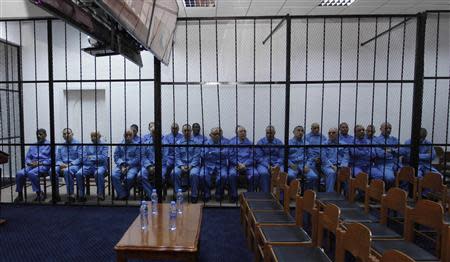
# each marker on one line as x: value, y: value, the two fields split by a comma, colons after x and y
x: 157, y: 115
x: 287, y: 93
x: 78, y: 81
x: 418, y: 89
x: 51, y: 101
x: 292, y: 17
x: 274, y: 30
x: 437, y: 77
x: 22, y: 124
x: 436, y: 59
x: 388, y: 30
x: 6, y: 42
x: 251, y: 83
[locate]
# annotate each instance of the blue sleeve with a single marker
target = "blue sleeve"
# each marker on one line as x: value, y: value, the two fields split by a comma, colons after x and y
x: 345, y: 157
x: 249, y: 160
x: 135, y: 161
x: 28, y: 159
x: 118, y: 156
x: 178, y: 161
x: 195, y: 159
x: 103, y: 157
x: 46, y: 160
x: 58, y: 156
x: 79, y: 153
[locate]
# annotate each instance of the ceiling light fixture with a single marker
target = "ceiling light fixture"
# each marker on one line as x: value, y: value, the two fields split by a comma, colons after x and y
x: 199, y: 3
x: 335, y: 2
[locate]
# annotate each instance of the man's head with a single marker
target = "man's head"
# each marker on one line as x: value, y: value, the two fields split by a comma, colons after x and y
x: 151, y: 125
x: 370, y: 131
x: 215, y: 134
x: 196, y: 129
x: 386, y: 129
x: 343, y: 128
x: 135, y: 129
x: 67, y: 134
x: 174, y: 129
x: 95, y: 137
x: 237, y: 128
x: 187, y: 131
x: 359, y: 131
x: 332, y: 134
x: 41, y: 135
x: 298, y: 132
x: 270, y: 133
x: 423, y: 133
x: 315, y: 128
x: 128, y: 135
x: 241, y: 132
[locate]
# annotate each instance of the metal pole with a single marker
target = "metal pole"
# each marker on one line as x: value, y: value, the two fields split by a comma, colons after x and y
x: 157, y: 138
x: 288, y: 92
x: 51, y: 109
x: 418, y: 90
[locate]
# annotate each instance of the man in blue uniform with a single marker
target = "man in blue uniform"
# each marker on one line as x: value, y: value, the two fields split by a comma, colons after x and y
x: 315, y: 137
x: 386, y: 157
x: 196, y: 136
x: 299, y: 159
x: 187, y: 161
x: 426, y: 154
x: 242, y: 162
x: 169, y: 154
x: 95, y: 163
x: 136, y: 137
x: 148, y: 137
x: 360, y: 156
x: 68, y: 161
x: 333, y: 158
x: 268, y: 157
x: 215, y: 162
x: 370, y: 133
x: 127, y: 159
x: 147, y: 174
x: 37, y: 163
x: 343, y: 134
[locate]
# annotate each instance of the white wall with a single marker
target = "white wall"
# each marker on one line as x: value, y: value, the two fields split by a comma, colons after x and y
x: 190, y: 108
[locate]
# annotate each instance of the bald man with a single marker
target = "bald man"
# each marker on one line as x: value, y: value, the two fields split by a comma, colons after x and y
x: 387, y: 157
x: 268, y: 157
x: 127, y: 159
x: 360, y: 156
x: 95, y: 163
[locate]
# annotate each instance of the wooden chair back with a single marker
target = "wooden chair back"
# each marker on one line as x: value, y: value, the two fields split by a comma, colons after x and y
x: 356, y: 240
x: 280, y: 183
x: 329, y: 220
x: 395, y: 199
x: 307, y: 204
x: 274, y: 177
x: 433, y: 182
x: 429, y: 214
x: 290, y: 193
x: 343, y: 176
x: 395, y: 255
x: 375, y: 191
x: 360, y: 183
x: 407, y: 174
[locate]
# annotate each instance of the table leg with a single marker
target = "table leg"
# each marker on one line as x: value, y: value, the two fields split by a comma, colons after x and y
x: 121, y: 257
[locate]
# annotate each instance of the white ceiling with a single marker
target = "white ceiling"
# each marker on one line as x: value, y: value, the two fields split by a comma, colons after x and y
x: 310, y: 7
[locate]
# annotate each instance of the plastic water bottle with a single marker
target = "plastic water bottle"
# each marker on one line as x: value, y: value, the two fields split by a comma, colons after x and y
x: 154, y: 198
x: 179, y: 201
x: 143, y: 212
x: 173, y: 216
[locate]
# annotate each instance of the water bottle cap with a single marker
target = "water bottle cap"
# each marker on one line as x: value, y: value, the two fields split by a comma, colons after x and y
x: 154, y: 190
x: 179, y: 189
x: 172, y: 202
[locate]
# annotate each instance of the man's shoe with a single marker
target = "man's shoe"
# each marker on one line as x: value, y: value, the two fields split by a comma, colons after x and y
x: 101, y: 198
x: 39, y: 197
x: 233, y: 199
x: 82, y: 199
x: 194, y: 200
x: 18, y: 199
x: 70, y: 200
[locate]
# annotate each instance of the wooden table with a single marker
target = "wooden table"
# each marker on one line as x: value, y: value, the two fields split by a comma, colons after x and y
x: 158, y: 242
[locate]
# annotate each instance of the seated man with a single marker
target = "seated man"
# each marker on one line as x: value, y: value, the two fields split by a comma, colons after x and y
x: 361, y: 156
x: 149, y: 136
x: 147, y: 174
x: 127, y: 159
x: 343, y: 134
x: 196, y: 136
x: 370, y: 133
x: 95, y: 163
x: 315, y: 137
x: 37, y: 163
x: 215, y: 162
x: 333, y: 158
x: 426, y: 154
x: 68, y: 161
x: 136, y: 137
x: 298, y: 160
x: 169, y: 154
x: 268, y: 157
x: 242, y: 162
x: 187, y: 161
x: 386, y: 157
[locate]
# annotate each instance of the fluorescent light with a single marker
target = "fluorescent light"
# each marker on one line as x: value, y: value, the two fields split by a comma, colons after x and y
x: 336, y: 2
x: 199, y: 3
